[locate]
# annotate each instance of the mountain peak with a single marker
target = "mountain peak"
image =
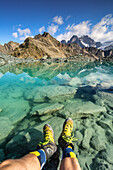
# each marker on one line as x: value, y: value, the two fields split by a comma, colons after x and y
x: 46, y: 34
x: 84, y: 41
x: 84, y: 36
x: 37, y: 36
x: 75, y: 39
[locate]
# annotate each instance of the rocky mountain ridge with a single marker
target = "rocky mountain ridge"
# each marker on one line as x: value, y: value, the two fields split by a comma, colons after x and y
x: 108, y: 45
x: 83, y: 41
x: 86, y: 41
x: 46, y: 47
x: 8, y: 47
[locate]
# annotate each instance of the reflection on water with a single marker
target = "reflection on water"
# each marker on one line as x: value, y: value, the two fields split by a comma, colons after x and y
x: 34, y: 94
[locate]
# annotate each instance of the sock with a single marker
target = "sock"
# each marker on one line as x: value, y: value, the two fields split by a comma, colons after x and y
x: 68, y: 152
x: 41, y: 156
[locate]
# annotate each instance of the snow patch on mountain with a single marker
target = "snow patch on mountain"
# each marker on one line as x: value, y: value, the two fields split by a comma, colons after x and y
x: 86, y: 45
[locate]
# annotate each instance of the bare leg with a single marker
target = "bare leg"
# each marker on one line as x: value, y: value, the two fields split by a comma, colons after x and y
x: 69, y: 164
x: 27, y: 162
x: 34, y: 160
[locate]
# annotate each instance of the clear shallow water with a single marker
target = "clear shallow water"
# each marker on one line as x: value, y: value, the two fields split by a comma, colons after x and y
x: 34, y: 94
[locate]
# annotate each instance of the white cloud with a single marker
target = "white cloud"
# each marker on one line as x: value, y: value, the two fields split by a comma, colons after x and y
x: 103, y: 30
x: 15, y: 35
x: 24, y: 31
x: 19, y: 25
x: 67, y: 18
x: 22, y: 34
x: 58, y: 20
x: 52, y: 29
x: 67, y: 27
x: 42, y: 29
x: 81, y: 29
x: 24, y: 37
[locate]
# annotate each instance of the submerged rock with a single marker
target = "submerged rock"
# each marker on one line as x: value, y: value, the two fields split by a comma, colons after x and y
x: 2, y: 155
x: 106, y: 124
x: 108, y: 154
x: 79, y: 136
x: 87, y: 136
x: 104, y: 98
x: 51, y: 92
x: 85, y: 161
x: 99, y: 131
x: 45, y: 117
x: 28, y: 139
x: 5, y: 127
x: 46, y: 108
x: 14, y: 109
x: 100, y: 164
x: 15, y: 91
x: 75, y: 81
x: 78, y: 109
x: 109, y: 135
x: 19, y: 143
x: 97, y: 143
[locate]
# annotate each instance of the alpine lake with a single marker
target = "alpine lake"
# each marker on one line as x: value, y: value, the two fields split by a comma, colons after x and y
x: 32, y: 95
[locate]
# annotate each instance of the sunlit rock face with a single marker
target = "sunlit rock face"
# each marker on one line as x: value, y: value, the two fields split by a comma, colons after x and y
x: 32, y: 95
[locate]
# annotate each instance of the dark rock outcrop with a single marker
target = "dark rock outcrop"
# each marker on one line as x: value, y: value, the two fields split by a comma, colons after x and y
x: 89, y: 41
x: 75, y: 39
x: 63, y: 41
x: 94, y: 51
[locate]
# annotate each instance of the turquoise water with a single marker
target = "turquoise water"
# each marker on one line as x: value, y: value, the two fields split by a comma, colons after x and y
x: 34, y: 94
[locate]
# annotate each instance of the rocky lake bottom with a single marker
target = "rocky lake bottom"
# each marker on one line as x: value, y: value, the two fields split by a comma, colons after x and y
x: 34, y: 94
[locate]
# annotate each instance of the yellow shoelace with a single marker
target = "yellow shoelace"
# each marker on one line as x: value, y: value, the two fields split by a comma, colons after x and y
x: 48, y: 137
x: 69, y: 139
x: 67, y: 134
x: 68, y: 130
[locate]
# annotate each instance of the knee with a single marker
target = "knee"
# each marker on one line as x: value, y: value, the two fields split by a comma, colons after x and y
x: 6, y: 163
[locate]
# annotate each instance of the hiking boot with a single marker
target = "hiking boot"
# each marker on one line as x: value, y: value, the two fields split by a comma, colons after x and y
x: 66, y: 137
x: 49, y: 144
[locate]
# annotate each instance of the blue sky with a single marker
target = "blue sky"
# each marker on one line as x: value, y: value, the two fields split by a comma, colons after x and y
x: 61, y: 18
